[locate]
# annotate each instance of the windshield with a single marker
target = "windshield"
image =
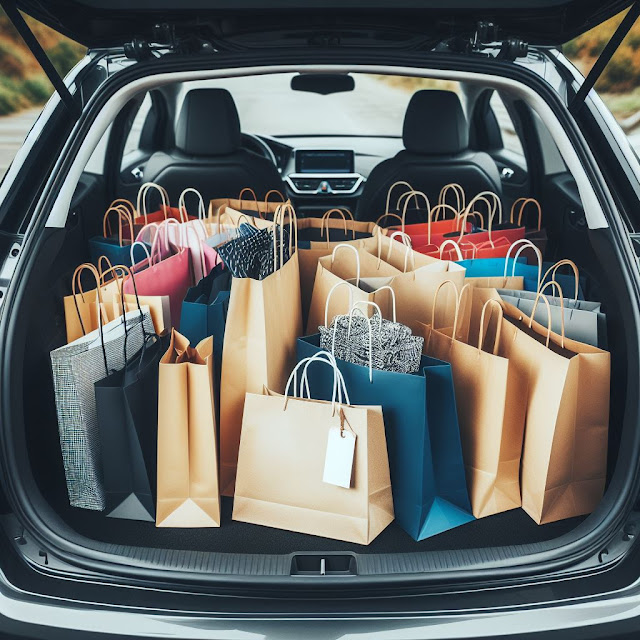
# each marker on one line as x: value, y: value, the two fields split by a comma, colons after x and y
x: 376, y: 107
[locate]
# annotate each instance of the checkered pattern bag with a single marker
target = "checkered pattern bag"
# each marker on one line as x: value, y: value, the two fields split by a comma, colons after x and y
x: 393, y: 347
x: 76, y: 367
x: 251, y: 255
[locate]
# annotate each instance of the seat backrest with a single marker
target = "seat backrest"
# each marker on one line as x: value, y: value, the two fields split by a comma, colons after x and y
x: 207, y: 154
x: 436, y: 140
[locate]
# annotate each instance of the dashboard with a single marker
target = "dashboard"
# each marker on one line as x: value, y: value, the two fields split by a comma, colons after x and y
x: 327, y: 171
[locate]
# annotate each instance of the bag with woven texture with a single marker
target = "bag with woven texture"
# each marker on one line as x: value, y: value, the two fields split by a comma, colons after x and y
x: 76, y: 367
x: 389, y: 344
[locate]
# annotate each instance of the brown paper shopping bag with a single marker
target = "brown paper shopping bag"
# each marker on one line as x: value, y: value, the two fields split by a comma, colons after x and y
x: 284, y: 454
x: 159, y: 306
x: 329, y: 228
x: 82, y: 307
x: 263, y: 322
x: 564, y: 460
x: 419, y: 278
x: 251, y: 206
x: 188, y: 492
x: 490, y: 396
x: 362, y: 271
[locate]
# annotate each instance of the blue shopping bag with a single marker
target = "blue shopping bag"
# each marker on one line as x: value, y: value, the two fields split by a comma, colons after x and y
x: 423, y: 439
x: 115, y: 247
x: 204, y: 311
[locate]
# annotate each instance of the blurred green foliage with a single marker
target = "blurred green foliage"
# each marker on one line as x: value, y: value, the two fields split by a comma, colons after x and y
x: 622, y: 74
x: 22, y: 82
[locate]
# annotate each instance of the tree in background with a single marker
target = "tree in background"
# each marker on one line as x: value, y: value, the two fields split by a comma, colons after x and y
x: 22, y: 82
x: 623, y: 72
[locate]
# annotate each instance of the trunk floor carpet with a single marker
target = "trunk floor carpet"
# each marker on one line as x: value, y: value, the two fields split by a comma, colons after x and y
x: 511, y: 528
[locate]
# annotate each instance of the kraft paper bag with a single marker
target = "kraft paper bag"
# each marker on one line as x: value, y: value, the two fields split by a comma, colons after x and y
x: 364, y: 274
x: 263, y: 321
x: 83, y: 309
x: 491, y: 411
x: 317, y: 238
x: 188, y: 490
x: 564, y: 459
x: 159, y: 306
x: 280, y: 481
x: 249, y: 206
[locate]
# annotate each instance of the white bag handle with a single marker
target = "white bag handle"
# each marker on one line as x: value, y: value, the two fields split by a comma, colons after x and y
x: 393, y: 299
x: 454, y: 244
x: 137, y: 243
x: 523, y: 244
x: 406, y: 240
x: 351, y: 248
x: 339, y: 386
x: 142, y: 199
x: 183, y: 208
x: 326, y: 304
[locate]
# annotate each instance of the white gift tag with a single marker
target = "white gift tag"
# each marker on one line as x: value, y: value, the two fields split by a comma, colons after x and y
x: 338, y: 463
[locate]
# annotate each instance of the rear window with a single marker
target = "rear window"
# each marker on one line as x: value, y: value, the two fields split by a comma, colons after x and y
x: 376, y: 107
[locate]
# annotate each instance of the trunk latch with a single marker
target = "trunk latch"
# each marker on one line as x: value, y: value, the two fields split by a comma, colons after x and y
x: 318, y: 564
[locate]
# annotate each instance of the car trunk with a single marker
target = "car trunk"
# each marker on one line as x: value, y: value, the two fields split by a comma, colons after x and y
x: 238, y: 549
x: 512, y: 532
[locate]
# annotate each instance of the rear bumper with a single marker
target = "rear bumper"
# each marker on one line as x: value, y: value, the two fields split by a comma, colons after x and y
x: 33, y: 616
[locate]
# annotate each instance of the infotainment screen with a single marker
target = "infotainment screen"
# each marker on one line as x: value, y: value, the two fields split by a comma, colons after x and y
x: 321, y: 161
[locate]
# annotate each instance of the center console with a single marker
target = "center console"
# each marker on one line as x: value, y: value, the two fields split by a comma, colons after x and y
x: 324, y: 172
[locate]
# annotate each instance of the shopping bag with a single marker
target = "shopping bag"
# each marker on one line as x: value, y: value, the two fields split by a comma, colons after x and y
x: 169, y: 277
x: 164, y: 211
x: 83, y: 308
x: 252, y: 207
x: 564, y: 458
x: 263, y: 322
x: 536, y: 234
x: 330, y: 229
x: 76, y: 367
x: 111, y: 290
x: 489, y: 393
x: 425, y: 456
x: 115, y: 248
x: 331, y: 234
x: 127, y: 410
x: 583, y: 320
x: 291, y: 455
x: 202, y: 305
x: 419, y: 278
x: 362, y: 271
x: 188, y: 490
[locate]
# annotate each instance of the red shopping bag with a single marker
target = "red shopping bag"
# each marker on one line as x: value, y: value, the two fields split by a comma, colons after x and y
x: 432, y: 230
x: 164, y: 212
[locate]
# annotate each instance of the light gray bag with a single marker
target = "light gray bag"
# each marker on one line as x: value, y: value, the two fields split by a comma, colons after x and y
x: 583, y: 320
x: 76, y: 367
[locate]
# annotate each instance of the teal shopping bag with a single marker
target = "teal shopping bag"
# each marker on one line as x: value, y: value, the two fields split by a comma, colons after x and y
x: 423, y: 439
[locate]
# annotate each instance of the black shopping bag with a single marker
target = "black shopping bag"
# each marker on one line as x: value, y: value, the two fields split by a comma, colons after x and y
x: 127, y: 409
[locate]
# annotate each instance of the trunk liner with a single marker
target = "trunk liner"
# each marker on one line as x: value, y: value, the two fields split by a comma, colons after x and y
x: 513, y: 527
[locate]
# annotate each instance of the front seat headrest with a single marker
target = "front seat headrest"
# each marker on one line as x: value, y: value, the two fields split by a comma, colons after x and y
x: 435, y: 123
x: 208, y: 124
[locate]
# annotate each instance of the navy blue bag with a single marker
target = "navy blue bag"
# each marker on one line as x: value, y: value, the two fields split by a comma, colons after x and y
x: 204, y: 311
x: 423, y: 438
x: 117, y: 248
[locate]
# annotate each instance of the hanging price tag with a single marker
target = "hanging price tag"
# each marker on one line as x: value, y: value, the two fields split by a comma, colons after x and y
x: 338, y: 462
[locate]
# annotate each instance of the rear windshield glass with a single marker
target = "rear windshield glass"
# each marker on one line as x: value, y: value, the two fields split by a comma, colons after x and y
x: 376, y: 107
